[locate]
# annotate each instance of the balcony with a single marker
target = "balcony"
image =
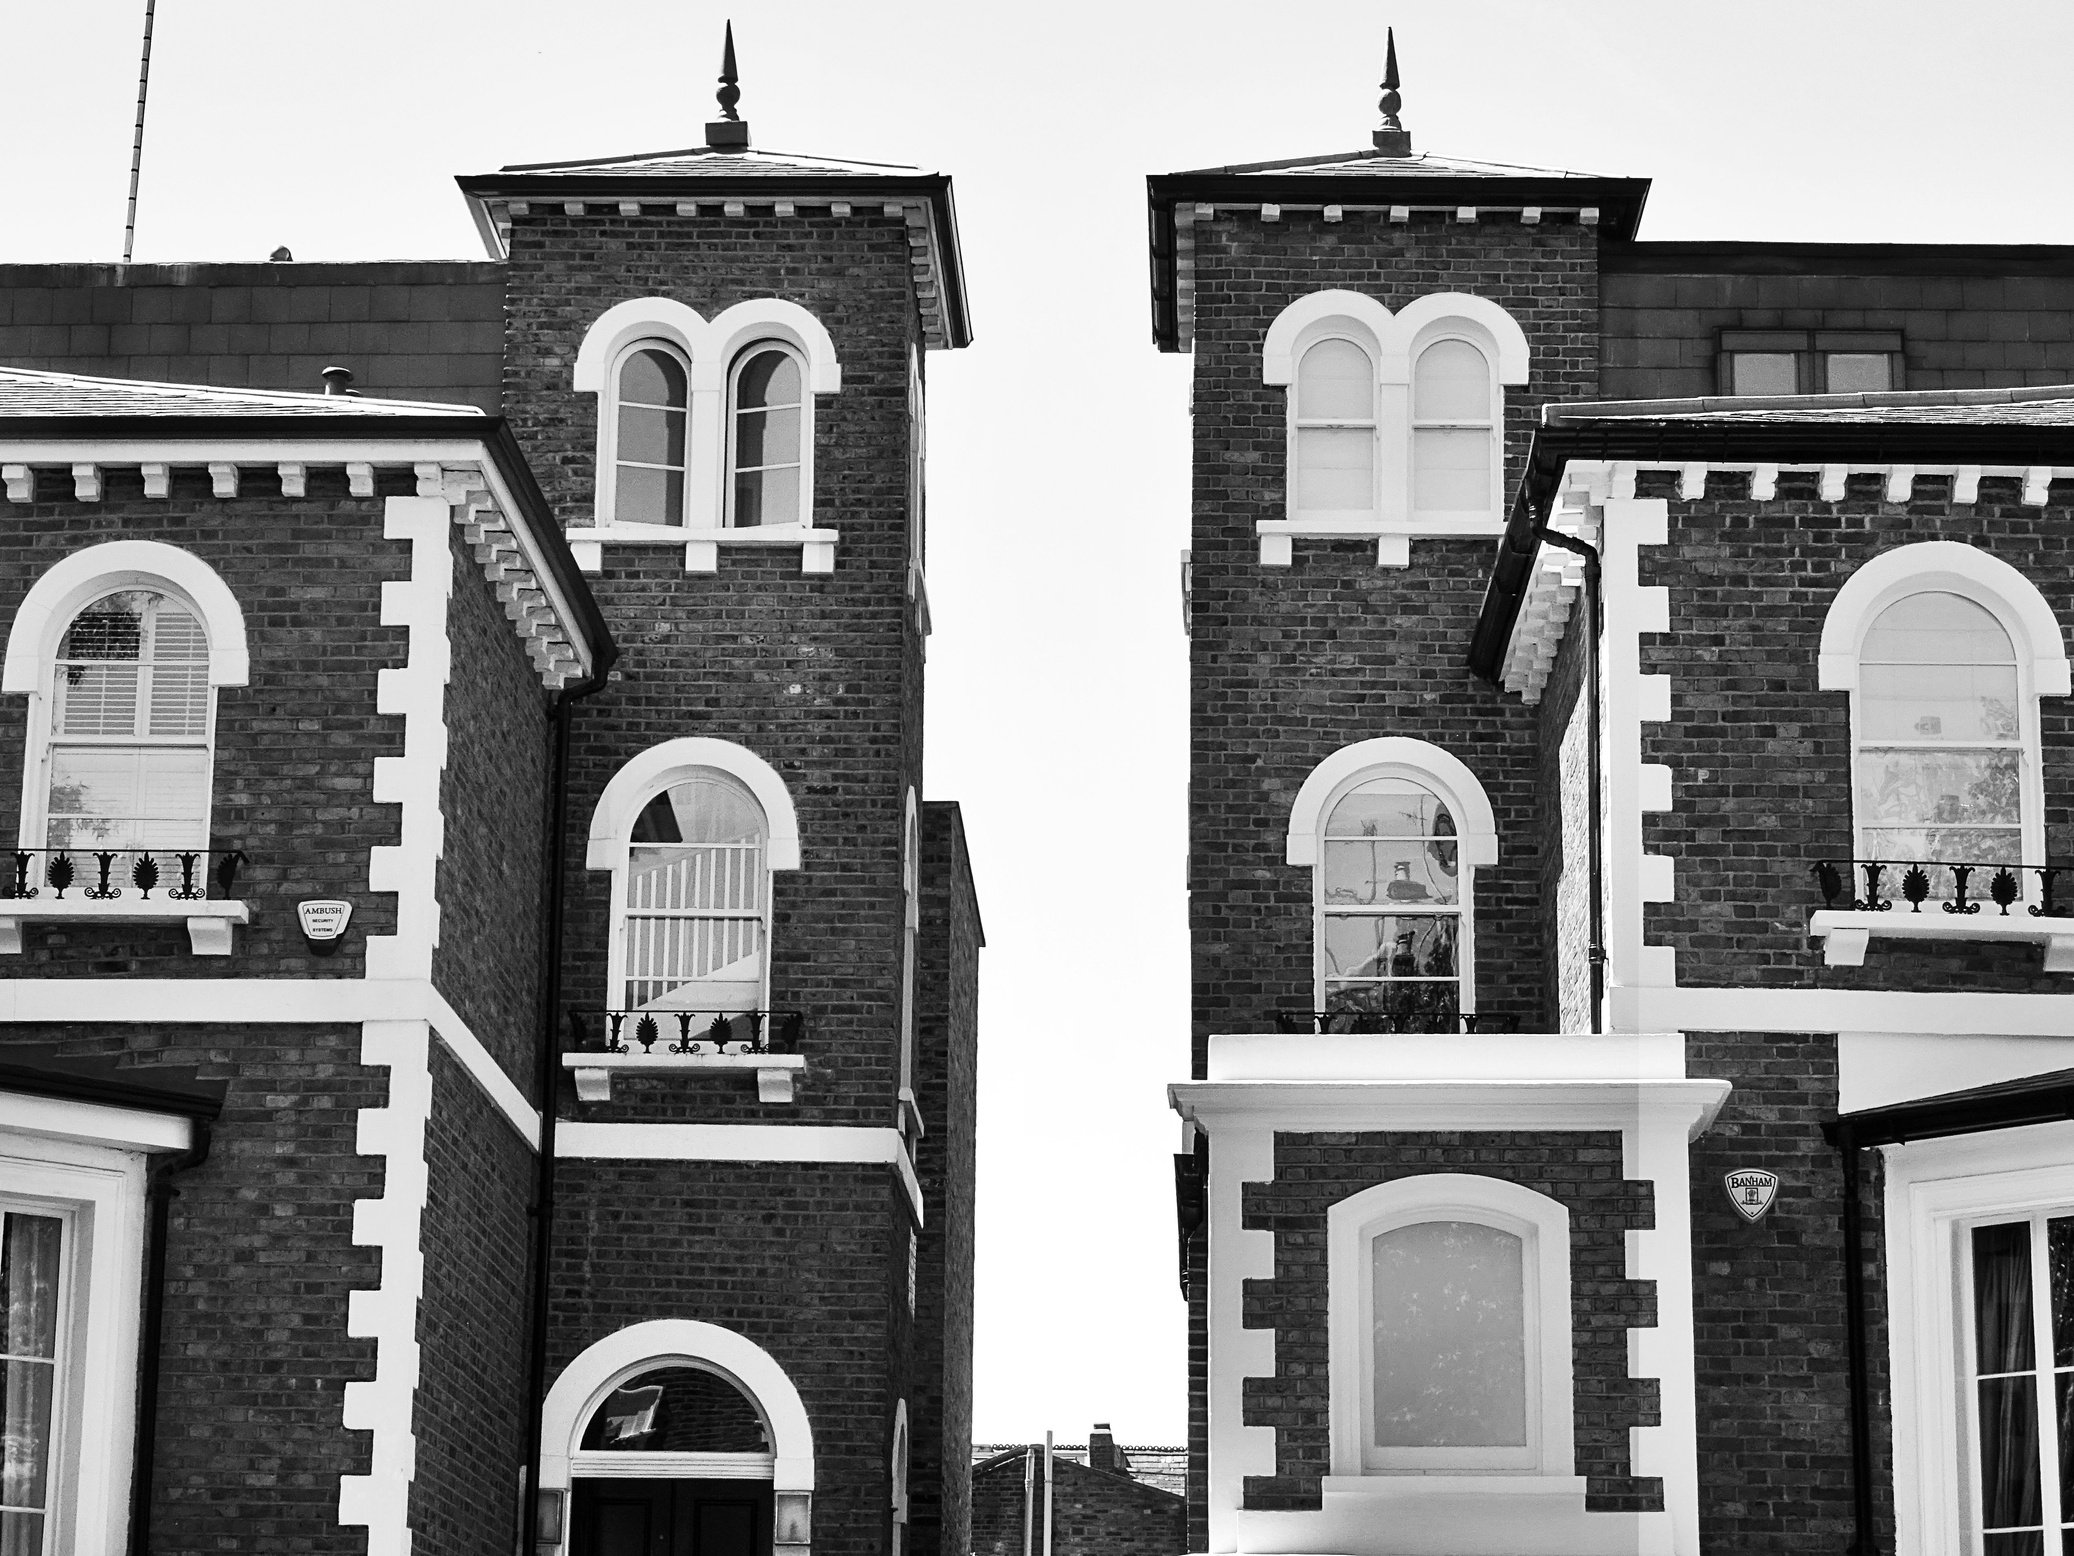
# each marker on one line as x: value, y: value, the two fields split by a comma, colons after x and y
x: 116, y: 886
x: 763, y: 1041
x: 1921, y: 900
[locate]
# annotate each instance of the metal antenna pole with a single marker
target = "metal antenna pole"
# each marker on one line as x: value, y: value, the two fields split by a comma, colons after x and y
x: 129, y: 226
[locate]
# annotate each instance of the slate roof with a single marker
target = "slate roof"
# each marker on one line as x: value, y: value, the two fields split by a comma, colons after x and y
x: 1164, y: 1469
x: 712, y: 162
x: 32, y: 392
x: 2044, y: 407
x: 1384, y: 165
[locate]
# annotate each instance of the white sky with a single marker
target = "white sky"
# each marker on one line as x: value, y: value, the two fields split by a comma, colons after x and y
x: 1058, y: 442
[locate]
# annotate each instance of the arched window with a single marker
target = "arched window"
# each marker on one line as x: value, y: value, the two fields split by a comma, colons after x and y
x: 1333, y: 430
x: 898, y: 1468
x: 695, y: 912
x: 676, y: 1458
x: 649, y: 435
x: 1454, y: 432
x: 131, y: 716
x: 1394, y: 830
x: 768, y: 437
x: 1449, y: 1318
x: 910, y: 925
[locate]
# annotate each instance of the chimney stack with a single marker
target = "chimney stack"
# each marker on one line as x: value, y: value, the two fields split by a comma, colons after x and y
x: 1101, y: 1450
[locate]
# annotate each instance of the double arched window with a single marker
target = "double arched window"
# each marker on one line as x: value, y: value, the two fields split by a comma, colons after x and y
x: 767, y: 438
x: 1394, y: 830
x: 1454, y: 442
x: 1333, y: 429
x: 648, y: 434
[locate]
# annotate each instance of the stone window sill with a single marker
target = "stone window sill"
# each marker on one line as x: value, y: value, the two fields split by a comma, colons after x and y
x: 1393, y: 537
x: 702, y: 547
x: 1845, y: 934
x: 774, y: 1072
x: 209, y: 923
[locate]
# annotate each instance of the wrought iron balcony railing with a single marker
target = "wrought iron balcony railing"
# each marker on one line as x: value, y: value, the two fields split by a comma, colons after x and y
x: 1955, y: 888
x: 1326, y: 1023
x: 690, y: 1033
x: 107, y: 874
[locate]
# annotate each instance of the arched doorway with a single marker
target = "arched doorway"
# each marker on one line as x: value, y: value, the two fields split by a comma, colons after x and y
x: 675, y: 1438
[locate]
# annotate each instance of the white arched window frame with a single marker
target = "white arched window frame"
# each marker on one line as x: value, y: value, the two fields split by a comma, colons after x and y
x: 1457, y: 425
x: 1394, y: 342
x: 1432, y: 768
x: 910, y: 1118
x: 616, y: 452
x: 711, y: 348
x: 897, y: 1468
x: 655, y: 771
x: 780, y: 457
x: 1542, y: 1226
x: 593, y: 1374
x: 56, y: 599
x: 2017, y: 606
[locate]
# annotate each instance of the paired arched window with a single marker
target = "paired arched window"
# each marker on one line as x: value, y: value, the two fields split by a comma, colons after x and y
x: 766, y: 447
x: 692, y: 830
x: 1449, y: 1321
x: 1394, y: 830
x: 1455, y: 443
x: 650, y: 434
x: 1333, y: 429
x: 1946, y: 651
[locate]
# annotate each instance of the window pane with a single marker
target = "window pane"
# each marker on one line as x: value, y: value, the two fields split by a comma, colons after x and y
x: 95, y: 699
x: 677, y: 1410
x: 1937, y: 702
x: 1335, y: 470
x: 708, y: 808
x: 1452, y: 383
x: 1391, y: 807
x: 179, y: 701
x: 646, y: 496
x: 2027, y: 1544
x: 680, y: 962
x: 29, y: 1283
x: 2009, y: 1452
x: 766, y: 438
x: 176, y: 636
x: 2059, y: 1239
x: 650, y: 437
x: 1450, y: 1337
x: 21, y: 1534
x: 25, y: 1396
x: 110, y: 628
x: 1380, y: 870
x: 1451, y: 471
x: 1382, y: 945
x: 2002, y: 1298
x: 1762, y: 372
x: 652, y: 378
x: 1859, y: 372
x: 2064, y: 1432
x: 768, y: 378
x: 1335, y: 382
x: 767, y: 497
x: 114, y: 798
x: 1937, y: 628
x: 1937, y: 788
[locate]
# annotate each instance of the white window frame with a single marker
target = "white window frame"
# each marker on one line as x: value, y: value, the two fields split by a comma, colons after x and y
x: 650, y: 773
x: 1349, y: 332
x: 1936, y: 1192
x: 608, y: 433
x: 909, y: 1112
x: 1543, y: 1225
x: 742, y: 357
x: 1492, y: 426
x: 1949, y: 567
x: 897, y: 1469
x: 1431, y: 767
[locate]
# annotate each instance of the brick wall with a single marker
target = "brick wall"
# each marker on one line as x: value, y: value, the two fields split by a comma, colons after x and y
x: 494, y: 796
x: 1987, y: 328
x: 1289, y: 665
x: 1761, y: 759
x: 946, y: 1089
x: 1579, y: 1169
x: 260, y: 1258
x: 293, y: 775
x: 1769, y: 1310
x: 473, y: 1318
x: 1562, y: 743
x: 417, y: 331
x: 1093, y: 1512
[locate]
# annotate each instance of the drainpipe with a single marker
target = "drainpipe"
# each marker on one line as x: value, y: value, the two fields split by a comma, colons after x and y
x: 542, y: 1209
x: 1862, y: 1543
x: 158, y: 1195
x: 1595, y: 827
x: 1029, y: 1499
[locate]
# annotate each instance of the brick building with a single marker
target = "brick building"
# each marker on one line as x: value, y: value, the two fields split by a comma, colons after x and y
x: 487, y: 1018
x: 1632, y: 795
x: 1104, y: 1499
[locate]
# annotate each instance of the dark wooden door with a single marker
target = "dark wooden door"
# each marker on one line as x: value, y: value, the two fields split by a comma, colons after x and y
x: 671, y: 1518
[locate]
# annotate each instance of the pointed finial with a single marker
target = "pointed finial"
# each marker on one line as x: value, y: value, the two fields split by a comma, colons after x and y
x: 1391, y: 139
x: 729, y: 131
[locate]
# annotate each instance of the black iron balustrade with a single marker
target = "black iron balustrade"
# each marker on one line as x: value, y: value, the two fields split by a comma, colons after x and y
x: 690, y: 1033
x: 106, y: 874
x: 1916, y: 882
x: 1331, y: 1023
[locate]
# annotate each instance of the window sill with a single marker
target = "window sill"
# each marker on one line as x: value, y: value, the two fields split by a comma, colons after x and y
x: 702, y: 546
x: 209, y: 923
x: 1845, y: 934
x: 1393, y: 537
x: 1402, y: 1515
x: 774, y: 1072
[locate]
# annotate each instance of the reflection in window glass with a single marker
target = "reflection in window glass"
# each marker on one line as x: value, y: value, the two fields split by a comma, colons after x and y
x: 30, y: 1250
x: 695, y: 899
x: 768, y: 413
x: 676, y: 1410
x: 130, y: 716
x: 1450, y: 1349
x: 1335, y: 429
x: 1939, y: 748
x: 1763, y: 372
x: 2021, y: 1426
x: 1390, y: 902
x: 654, y: 396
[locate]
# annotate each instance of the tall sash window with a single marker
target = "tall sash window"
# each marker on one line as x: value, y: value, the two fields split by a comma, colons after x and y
x: 696, y: 915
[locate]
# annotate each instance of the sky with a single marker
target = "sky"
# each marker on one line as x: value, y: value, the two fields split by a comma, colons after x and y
x: 1058, y: 482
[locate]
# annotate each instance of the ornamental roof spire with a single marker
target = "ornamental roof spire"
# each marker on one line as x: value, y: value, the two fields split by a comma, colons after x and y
x: 1391, y: 138
x: 730, y: 132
